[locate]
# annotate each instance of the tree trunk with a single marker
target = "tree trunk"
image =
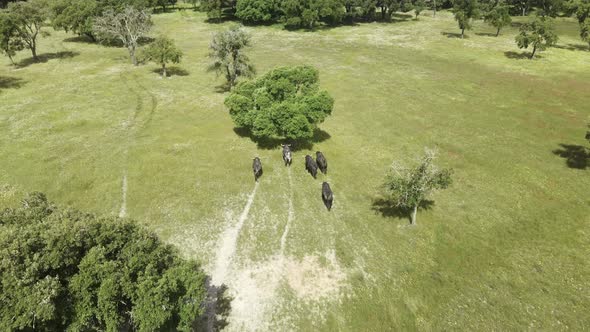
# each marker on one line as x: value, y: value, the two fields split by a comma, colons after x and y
x: 164, y: 74
x: 413, y: 215
x: 533, y: 53
x: 11, y: 59
x: 462, y: 33
x: 132, y: 55
x: 434, y: 9
x: 34, y: 52
x: 523, y: 11
x: 498, y: 32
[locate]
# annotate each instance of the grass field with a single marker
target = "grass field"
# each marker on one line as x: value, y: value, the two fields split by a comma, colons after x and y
x: 505, y: 248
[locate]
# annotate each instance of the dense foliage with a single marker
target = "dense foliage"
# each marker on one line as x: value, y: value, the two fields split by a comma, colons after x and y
x: 65, y: 269
x: 285, y: 103
x: 408, y: 187
x: 539, y: 34
x: 163, y: 51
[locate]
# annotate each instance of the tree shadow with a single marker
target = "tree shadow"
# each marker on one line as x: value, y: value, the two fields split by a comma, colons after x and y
x: 576, y: 156
x: 402, y: 16
x: 574, y: 47
x: 486, y: 34
x: 217, y: 307
x: 11, y: 82
x: 80, y: 39
x: 46, y: 57
x: 453, y: 35
x: 516, y: 24
x: 518, y: 55
x: 222, y: 88
x: 387, y: 209
x: 319, y: 136
x: 172, y: 71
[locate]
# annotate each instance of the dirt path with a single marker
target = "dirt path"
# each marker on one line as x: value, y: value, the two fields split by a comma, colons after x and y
x: 228, y: 244
x: 290, y: 217
x: 123, y: 211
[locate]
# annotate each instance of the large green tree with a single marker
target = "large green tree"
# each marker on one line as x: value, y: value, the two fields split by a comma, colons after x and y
x: 76, y: 16
x: 28, y: 19
x: 285, y: 103
x: 465, y: 11
x: 63, y: 269
x: 163, y: 51
x: 227, y: 54
x: 407, y: 187
x: 540, y: 34
x: 581, y: 9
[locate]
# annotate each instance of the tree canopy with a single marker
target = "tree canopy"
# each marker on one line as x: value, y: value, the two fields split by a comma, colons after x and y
x: 66, y: 269
x: 227, y: 55
x: 163, y: 51
x: 465, y: 11
x: 128, y: 26
x: 498, y: 17
x: 27, y: 19
x: 539, y: 34
x: 407, y: 187
x: 285, y: 103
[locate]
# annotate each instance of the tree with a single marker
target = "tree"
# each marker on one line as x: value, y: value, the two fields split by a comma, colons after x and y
x: 128, y: 26
x: 75, y: 15
x: 540, y: 34
x: 226, y: 52
x: 581, y: 8
x: 63, y: 269
x: 257, y: 11
x: 163, y: 51
x: 465, y: 11
x: 498, y: 17
x: 194, y: 3
x: 216, y: 9
x: 10, y: 41
x: 285, y: 103
x: 27, y: 19
x: 419, y: 6
x: 407, y: 187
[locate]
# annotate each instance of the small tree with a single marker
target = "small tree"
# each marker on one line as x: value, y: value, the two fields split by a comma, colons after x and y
x: 407, y: 187
x: 163, y: 51
x: 465, y: 11
x: 27, y: 19
x: 285, y: 103
x: 128, y: 26
x: 582, y: 11
x: 539, y: 34
x: 498, y: 17
x: 227, y: 54
x: 419, y: 6
x: 10, y: 41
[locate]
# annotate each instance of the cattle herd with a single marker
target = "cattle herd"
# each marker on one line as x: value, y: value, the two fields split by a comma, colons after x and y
x: 311, y: 166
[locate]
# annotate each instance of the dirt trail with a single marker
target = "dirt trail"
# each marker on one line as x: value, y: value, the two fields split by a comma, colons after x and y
x: 123, y: 211
x: 290, y: 217
x: 228, y: 244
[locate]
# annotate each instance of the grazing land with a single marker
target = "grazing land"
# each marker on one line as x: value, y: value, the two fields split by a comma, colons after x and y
x: 505, y: 248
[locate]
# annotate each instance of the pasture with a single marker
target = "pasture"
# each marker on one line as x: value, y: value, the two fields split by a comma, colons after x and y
x: 505, y: 248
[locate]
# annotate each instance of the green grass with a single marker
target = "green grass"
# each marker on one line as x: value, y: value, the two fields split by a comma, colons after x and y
x: 505, y: 248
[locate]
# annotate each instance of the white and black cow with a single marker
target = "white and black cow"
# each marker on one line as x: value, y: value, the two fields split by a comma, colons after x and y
x: 287, y: 157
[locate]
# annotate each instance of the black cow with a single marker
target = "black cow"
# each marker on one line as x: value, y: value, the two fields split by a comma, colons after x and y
x: 311, y: 166
x: 322, y: 162
x: 327, y: 195
x: 257, y: 168
x: 287, y: 158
